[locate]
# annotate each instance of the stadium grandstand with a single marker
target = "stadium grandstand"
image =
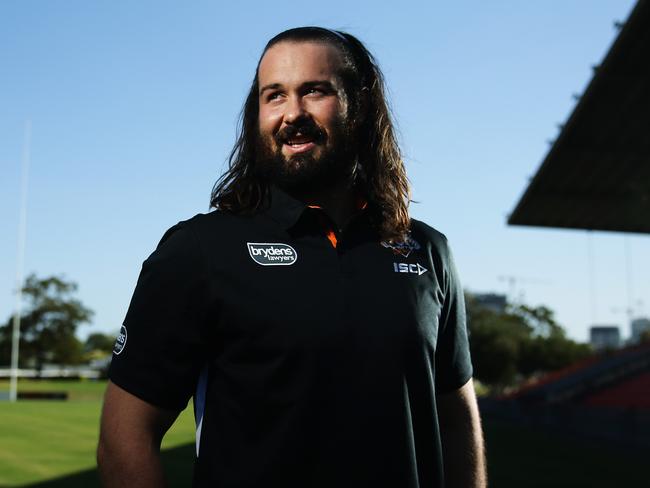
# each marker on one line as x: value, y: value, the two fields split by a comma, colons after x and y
x: 606, y: 397
x: 610, y: 378
x: 596, y: 176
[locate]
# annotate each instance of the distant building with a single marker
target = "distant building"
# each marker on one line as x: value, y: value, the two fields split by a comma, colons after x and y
x: 491, y: 301
x: 639, y: 326
x: 604, y: 337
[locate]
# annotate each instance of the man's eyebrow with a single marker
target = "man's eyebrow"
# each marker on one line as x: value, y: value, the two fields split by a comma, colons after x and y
x: 307, y: 84
x: 325, y: 83
x: 270, y: 86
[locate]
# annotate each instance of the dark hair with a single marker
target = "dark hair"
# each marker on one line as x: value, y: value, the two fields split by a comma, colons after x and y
x: 381, y: 177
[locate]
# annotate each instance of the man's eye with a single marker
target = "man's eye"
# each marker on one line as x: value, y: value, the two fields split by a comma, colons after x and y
x: 273, y: 96
x: 315, y: 91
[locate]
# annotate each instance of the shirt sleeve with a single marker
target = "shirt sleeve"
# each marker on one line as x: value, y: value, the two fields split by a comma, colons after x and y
x: 453, y: 362
x: 160, y: 350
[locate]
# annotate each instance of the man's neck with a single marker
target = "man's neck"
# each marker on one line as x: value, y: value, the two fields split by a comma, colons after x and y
x: 339, y: 201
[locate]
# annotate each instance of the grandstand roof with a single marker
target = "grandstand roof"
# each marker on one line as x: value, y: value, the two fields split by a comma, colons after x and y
x: 596, y: 175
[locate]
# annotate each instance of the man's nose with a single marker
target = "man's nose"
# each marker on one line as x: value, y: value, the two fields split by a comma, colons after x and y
x: 294, y: 110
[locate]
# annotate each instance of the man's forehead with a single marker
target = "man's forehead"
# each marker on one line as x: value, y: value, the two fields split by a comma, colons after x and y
x: 289, y: 59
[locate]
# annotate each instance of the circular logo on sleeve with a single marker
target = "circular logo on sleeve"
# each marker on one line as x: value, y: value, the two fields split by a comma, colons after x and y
x: 120, y: 342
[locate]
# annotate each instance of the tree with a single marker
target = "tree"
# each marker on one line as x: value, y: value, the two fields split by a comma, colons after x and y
x: 496, y: 342
x: 548, y: 348
x: 99, y: 342
x: 518, y: 342
x: 48, y: 324
x: 540, y: 320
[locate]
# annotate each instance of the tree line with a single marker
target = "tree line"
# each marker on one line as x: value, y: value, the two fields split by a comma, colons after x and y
x: 518, y: 343
x: 48, y: 327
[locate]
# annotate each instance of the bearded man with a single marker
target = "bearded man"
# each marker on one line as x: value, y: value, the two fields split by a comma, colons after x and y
x: 319, y: 329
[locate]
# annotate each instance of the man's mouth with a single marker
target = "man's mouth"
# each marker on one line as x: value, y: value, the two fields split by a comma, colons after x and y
x: 299, y: 143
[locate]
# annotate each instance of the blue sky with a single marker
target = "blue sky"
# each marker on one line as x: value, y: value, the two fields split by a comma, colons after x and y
x: 133, y: 108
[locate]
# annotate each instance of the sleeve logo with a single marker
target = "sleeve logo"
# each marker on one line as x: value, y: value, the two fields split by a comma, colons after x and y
x: 272, y: 254
x: 120, y: 342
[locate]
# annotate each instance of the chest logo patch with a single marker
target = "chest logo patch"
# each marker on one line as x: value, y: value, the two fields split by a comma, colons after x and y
x: 413, y: 268
x: 403, y: 248
x: 272, y: 253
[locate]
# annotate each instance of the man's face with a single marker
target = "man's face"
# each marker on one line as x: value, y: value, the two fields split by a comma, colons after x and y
x: 303, y: 140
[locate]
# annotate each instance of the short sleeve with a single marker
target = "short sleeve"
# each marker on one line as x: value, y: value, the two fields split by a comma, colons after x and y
x: 453, y: 362
x: 160, y: 350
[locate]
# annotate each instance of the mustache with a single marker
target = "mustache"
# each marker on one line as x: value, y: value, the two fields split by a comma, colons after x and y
x: 307, y: 128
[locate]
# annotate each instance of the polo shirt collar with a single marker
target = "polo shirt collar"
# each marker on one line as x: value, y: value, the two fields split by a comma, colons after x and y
x: 283, y: 208
x: 286, y: 210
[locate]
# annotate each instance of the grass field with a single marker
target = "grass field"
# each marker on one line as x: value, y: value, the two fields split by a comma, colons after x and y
x: 41, y: 440
x: 51, y: 444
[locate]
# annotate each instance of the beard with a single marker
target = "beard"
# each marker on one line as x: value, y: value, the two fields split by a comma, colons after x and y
x: 306, y: 173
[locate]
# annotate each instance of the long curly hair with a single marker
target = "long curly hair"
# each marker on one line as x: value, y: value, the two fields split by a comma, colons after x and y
x: 380, y: 177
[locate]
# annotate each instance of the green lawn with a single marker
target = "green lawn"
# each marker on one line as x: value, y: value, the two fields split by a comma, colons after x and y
x: 51, y: 444
x: 40, y: 440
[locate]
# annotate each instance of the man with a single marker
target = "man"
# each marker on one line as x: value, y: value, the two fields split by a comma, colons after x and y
x: 320, y: 330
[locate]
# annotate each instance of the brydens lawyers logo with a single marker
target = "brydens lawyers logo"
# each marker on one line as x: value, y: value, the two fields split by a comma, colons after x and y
x: 120, y: 342
x: 272, y: 253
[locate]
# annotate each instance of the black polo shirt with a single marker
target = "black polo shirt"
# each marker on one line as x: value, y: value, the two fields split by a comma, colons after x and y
x: 311, y: 365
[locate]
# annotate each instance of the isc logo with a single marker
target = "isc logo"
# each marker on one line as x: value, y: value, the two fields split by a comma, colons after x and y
x: 414, y: 268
